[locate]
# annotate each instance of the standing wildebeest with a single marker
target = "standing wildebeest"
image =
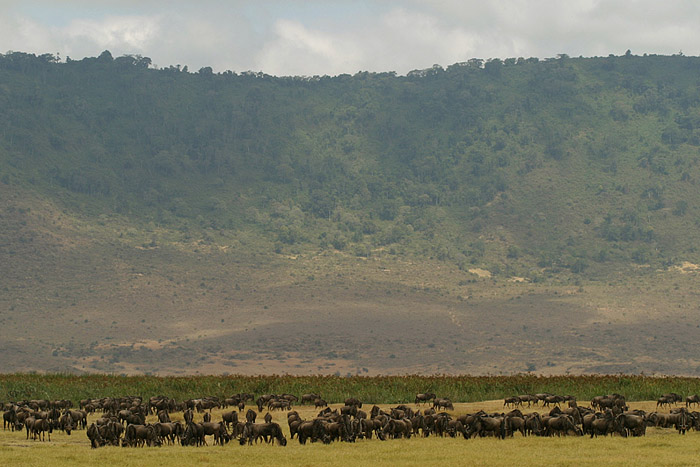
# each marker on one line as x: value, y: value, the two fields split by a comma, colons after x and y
x: 553, y: 399
x: 38, y: 428
x: 425, y: 397
x: 163, y: 416
x: 281, y: 404
x: 690, y: 400
x: 310, y: 397
x: 230, y: 418
x: 66, y: 423
x: 512, y: 401
x: 632, y: 424
x: 605, y: 425
x: 353, y: 401
x: 250, y: 416
x: 168, y: 431
x: 140, y: 435
x: 320, y: 403
x: 674, y: 397
x: 443, y: 404
x: 533, y: 424
x: 529, y: 398
x: 9, y: 418
x: 664, y: 400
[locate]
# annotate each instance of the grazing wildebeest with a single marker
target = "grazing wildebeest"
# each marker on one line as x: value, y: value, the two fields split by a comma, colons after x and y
x: 267, y: 431
x: 79, y: 417
x: 398, y: 429
x: 93, y: 434
x: 560, y: 425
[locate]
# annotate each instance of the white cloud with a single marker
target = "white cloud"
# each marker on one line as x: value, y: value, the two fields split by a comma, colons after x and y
x: 119, y: 32
x: 298, y: 50
x: 82, y: 37
x: 340, y: 36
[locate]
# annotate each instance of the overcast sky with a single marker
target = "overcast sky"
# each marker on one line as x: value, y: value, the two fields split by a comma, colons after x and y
x: 331, y: 37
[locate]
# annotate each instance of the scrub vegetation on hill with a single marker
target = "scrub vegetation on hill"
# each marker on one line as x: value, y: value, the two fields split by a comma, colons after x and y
x: 524, y: 167
x: 490, y: 217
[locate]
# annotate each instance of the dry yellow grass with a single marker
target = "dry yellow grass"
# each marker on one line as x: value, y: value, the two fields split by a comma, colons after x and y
x: 659, y: 447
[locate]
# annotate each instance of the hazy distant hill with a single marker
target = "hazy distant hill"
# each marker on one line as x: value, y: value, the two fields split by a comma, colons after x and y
x: 137, y: 200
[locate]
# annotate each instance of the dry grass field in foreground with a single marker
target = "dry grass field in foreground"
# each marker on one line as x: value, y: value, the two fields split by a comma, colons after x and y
x: 658, y: 447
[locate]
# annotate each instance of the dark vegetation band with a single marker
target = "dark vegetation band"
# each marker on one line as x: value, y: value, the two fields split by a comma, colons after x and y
x: 373, y: 389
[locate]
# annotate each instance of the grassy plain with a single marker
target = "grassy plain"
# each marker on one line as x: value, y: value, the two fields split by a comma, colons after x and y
x: 658, y: 447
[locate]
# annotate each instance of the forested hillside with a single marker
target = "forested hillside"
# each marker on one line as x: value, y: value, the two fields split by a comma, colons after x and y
x: 520, y: 166
x: 550, y: 171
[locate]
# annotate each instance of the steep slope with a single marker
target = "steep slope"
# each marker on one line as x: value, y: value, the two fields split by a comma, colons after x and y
x: 488, y: 217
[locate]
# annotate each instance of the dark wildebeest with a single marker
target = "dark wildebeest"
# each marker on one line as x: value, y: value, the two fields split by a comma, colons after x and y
x: 188, y: 415
x: 690, y: 400
x: 9, y: 418
x: 163, y: 416
x: 513, y: 401
x: 606, y: 425
x: 39, y: 427
x: 424, y: 397
x: 310, y: 397
x: 398, y: 429
x: 140, y: 435
x: 218, y: 429
x: 79, y: 417
x: 267, y: 431
x: 250, y: 416
x: 664, y: 400
x: 230, y: 418
x: 169, y: 431
x: 93, y: 434
x: 353, y: 401
x: 443, y: 404
x: 632, y: 424
x: 320, y: 403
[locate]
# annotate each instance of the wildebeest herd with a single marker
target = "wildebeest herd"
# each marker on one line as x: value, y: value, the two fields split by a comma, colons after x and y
x: 123, y: 419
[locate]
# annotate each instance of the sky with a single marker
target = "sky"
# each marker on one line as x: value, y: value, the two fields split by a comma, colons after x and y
x: 331, y: 37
